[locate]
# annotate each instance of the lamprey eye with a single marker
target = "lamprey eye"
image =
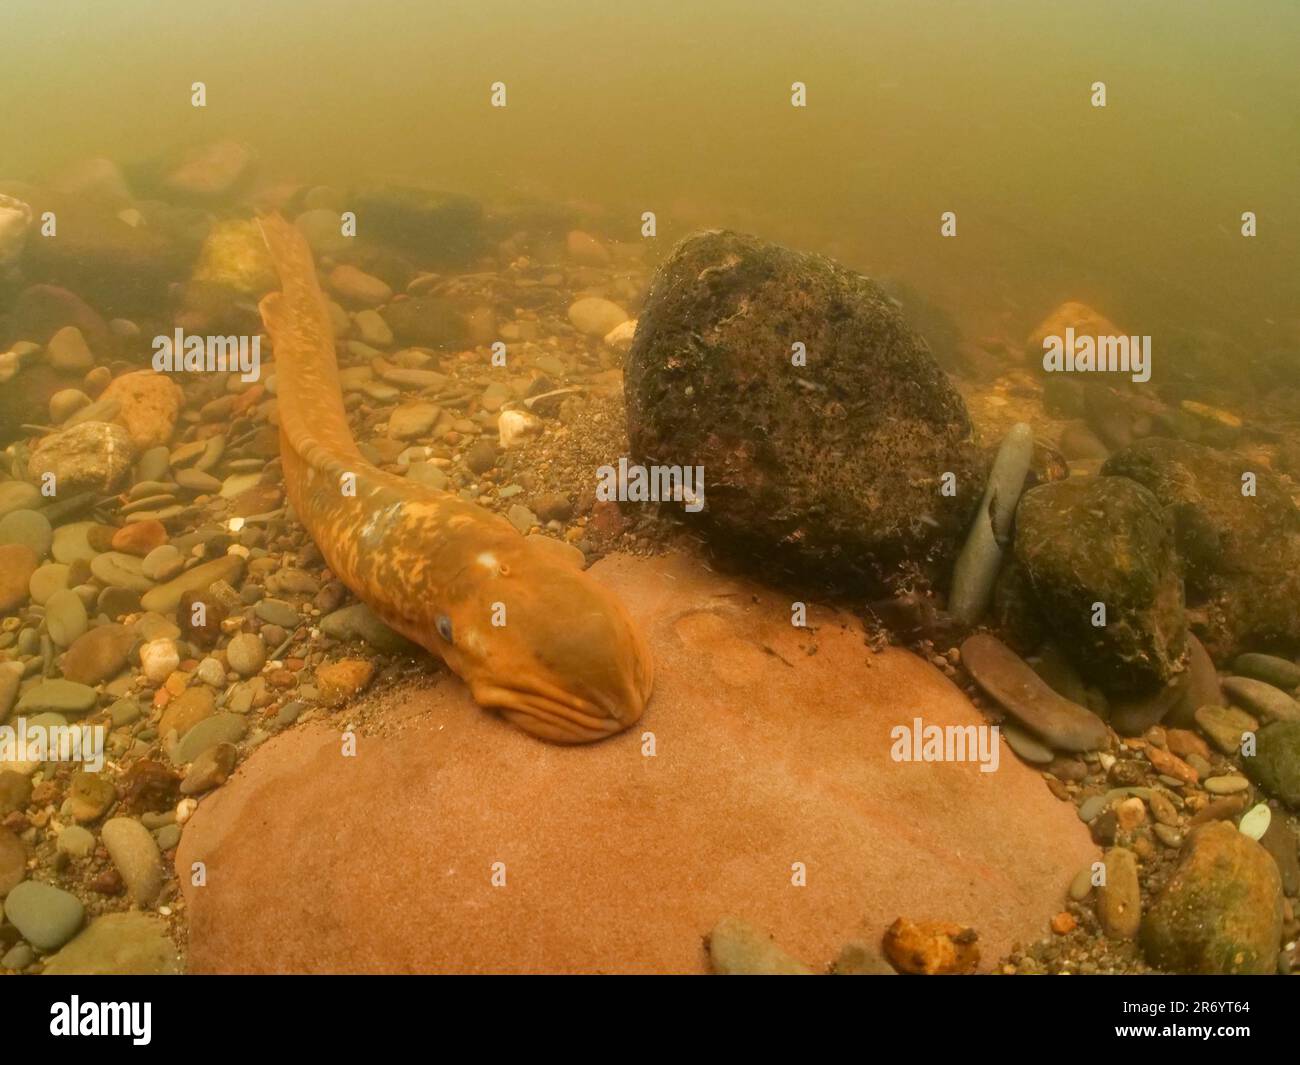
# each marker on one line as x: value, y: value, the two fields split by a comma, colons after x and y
x: 444, y: 627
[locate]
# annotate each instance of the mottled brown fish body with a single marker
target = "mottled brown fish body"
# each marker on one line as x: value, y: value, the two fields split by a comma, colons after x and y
x: 534, y: 637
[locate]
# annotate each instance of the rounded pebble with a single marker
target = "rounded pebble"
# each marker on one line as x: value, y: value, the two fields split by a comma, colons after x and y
x: 46, y: 916
x: 159, y: 659
x: 1255, y: 821
x: 246, y: 654
x: 65, y: 617
x: 136, y: 857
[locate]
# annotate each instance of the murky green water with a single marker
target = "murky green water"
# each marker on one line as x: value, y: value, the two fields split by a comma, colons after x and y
x: 1101, y: 568
x: 913, y: 109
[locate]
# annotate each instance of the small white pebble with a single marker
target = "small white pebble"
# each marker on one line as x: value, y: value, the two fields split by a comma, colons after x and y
x: 184, y: 809
x: 235, y: 524
x: 1254, y: 823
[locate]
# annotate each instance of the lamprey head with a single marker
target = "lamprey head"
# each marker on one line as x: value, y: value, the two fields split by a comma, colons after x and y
x: 541, y: 642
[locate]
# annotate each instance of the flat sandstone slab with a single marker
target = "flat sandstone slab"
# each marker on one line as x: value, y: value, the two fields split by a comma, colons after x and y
x: 767, y: 754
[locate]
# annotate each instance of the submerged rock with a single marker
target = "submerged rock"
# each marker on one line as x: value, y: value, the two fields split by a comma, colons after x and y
x: 210, y: 172
x: 359, y: 622
x: 1084, y: 320
x: 148, y: 406
x: 46, y: 916
x: 429, y: 321
x: 165, y: 597
x: 981, y: 556
x: 234, y: 257
x: 1132, y: 715
x: 1261, y: 699
x: 13, y: 861
x: 1202, y: 687
x: 1221, y: 911
x: 135, y: 854
x: 1119, y: 899
x: 98, y: 655
x: 40, y: 311
x: 1226, y: 726
x: 931, y: 948
x: 17, y: 564
x: 15, y: 216
x: 91, y: 456
x: 595, y: 317
x: 753, y: 755
x: 1105, y: 540
x: 118, y: 944
x: 740, y: 949
x: 1275, y: 765
x: 1241, y: 552
x: 97, y: 179
x: 118, y: 267
x: 1066, y: 726
x: 1279, y: 672
x: 828, y: 458
x: 443, y: 229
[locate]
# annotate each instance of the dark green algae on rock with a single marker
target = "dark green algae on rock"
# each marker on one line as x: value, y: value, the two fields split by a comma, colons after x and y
x: 444, y: 228
x: 1238, y: 533
x: 834, y: 467
x: 1105, y: 540
x: 1221, y: 910
x: 1275, y: 765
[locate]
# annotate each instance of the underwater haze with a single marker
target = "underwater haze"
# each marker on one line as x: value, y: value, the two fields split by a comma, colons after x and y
x: 715, y: 487
x: 684, y: 108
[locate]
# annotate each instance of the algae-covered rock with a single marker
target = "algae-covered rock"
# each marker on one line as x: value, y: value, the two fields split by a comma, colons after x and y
x: 1105, y: 540
x: 1238, y: 532
x: 1279, y: 672
x: 429, y: 321
x: 89, y: 457
x: 234, y: 257
x: 211, y: 172
x: 442, y: 228
x: 1221, y: 911
x: 737, y: 948
x: 824, y: 426
x: 1275, y: 766
x: 118, y: 267
x: 118, y: 944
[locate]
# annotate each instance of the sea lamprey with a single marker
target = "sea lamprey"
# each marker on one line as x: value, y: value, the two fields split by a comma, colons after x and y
x: 530, y: 633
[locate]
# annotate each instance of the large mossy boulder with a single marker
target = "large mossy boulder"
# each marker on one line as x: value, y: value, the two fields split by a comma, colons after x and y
x: 833, y: 467
x: 1105, y: 540
x: 1238, y: 532
x: 1221, y: 911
